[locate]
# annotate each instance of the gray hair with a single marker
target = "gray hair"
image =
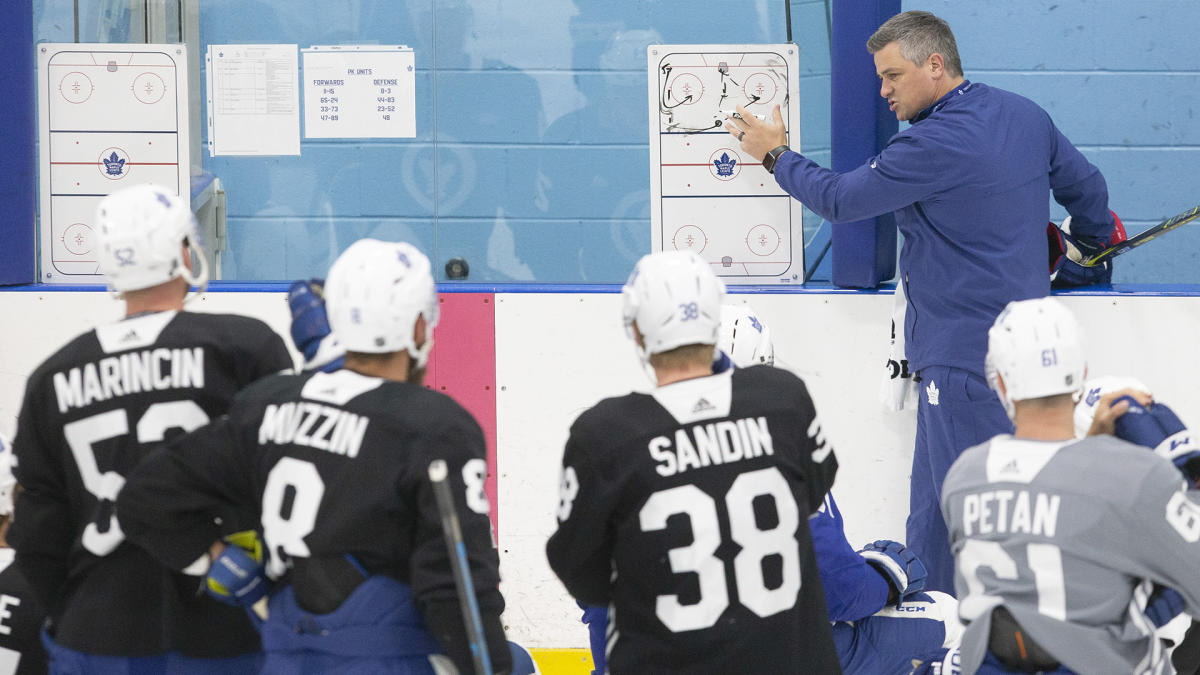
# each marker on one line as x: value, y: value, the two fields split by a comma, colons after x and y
x: 920, y: 34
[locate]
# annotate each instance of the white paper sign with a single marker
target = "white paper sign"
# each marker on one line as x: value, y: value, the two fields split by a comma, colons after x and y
x: 359, y: 92
x: 253, y: 100
x: 111, y: 116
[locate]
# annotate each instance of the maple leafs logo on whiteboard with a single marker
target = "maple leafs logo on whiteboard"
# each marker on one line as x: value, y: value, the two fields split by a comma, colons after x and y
x: 113, y: 164
x: 725, y: 164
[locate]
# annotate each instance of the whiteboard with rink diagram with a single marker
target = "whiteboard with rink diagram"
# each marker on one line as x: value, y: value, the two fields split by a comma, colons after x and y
x: 706, y: 194
x: 110, y: 116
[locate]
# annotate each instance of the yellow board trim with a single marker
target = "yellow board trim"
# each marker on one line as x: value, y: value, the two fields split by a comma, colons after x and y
x: 563, y: 661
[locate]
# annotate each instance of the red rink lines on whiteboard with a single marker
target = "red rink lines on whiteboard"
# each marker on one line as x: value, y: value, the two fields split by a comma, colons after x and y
x: 110, y: 131
x: 127, y: 62
x: 105, y: 65
x: 704, y: 57
x: 126, y: 163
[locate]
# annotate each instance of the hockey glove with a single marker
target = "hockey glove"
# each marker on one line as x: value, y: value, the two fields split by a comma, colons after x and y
x: 1067, y: 253
x: 721, y: 362
x: 310, y: 327
x: 237, y: 577
x: 901, y: 567
x: 1159, y: 428
x: 1163, y: 605
x: 596, y: 618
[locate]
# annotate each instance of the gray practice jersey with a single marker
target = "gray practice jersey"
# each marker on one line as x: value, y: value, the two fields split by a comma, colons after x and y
x: 1067, y: 535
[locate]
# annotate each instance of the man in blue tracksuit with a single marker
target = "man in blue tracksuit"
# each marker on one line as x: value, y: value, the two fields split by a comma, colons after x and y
x: 968, y: 183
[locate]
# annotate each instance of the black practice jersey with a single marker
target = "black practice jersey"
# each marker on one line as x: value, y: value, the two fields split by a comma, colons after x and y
x: 91, y: 412
x: 686, y: 512
x: 21, y: 618
x: 332, y: 464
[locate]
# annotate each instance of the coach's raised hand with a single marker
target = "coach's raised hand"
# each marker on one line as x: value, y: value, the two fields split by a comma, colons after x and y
x: 757, y: 137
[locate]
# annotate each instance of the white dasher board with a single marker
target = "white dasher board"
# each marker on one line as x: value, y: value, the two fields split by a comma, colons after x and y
x: 110, y: 116
x: 706, y: 194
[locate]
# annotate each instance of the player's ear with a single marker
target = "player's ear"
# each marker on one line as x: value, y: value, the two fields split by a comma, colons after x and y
x: 419, y: 331
x: 637, y: 335
x: 1000, y: 388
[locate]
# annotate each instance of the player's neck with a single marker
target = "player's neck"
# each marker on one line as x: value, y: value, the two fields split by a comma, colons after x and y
x: 1044, y: 424
x: 667, y: 376
x: 396, y: 366
x: 162, y: 298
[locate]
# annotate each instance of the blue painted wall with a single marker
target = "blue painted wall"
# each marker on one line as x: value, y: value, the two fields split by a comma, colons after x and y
x: 531, y: 157
x: 1122, y: 81
x: 17, y: 134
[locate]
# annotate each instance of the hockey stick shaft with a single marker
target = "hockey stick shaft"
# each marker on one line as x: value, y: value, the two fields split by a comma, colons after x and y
x: 1143, y: 237
x: 467, y: 601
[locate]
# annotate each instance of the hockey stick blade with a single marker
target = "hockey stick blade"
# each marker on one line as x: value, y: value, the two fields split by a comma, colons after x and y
x: 1143, y: 237
x: 452, y: 532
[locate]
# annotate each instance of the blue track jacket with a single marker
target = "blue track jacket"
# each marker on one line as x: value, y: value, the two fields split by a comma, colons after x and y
x: 968, y: 182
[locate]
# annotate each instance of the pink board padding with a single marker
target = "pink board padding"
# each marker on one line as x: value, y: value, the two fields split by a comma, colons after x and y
x: 463, y: 366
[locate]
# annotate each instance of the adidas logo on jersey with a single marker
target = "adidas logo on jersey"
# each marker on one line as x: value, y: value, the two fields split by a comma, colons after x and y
x: 1011, y: 467
x: 131, y: 336
x: 703, y: 405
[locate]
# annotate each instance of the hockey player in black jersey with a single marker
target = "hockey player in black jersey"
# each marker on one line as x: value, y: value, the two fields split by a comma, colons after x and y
x: 685, y: 510
x: 334, y: 465
x: 90, y: 413
x: 21, y: 616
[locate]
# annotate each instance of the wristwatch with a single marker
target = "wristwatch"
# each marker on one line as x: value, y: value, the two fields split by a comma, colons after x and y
x: 773, y: 156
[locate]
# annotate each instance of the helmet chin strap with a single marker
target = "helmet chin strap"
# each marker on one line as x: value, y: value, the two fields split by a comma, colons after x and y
x: 420, y: 354
x: 996, y: 384
x: 199, y: 280
x: 644, y: 360
x: 1010, y: 409
x: 639, y: 347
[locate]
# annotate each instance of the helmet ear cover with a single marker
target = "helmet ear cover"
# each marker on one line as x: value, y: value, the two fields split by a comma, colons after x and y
x: 675, y: 300
x: 1035, y: 346
x: 141, y: 234
x: 375, y: 293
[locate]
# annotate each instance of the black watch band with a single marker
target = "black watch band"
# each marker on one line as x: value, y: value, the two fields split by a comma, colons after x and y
x: 773, y: 156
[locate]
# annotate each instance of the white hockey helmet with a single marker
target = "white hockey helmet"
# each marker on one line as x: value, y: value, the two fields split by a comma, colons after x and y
x: 1096, y: 387
x: 375, y: 292
x: 744, y: 337
x: 8, y: 482
x: 675, y: 299
x: 140, y: 235
x: 1035, y: 346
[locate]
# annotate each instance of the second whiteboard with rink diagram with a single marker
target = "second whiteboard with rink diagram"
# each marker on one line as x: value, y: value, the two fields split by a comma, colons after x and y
x: 707, y: 195
x: 111, y: 116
